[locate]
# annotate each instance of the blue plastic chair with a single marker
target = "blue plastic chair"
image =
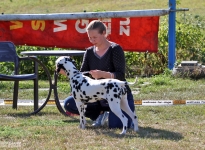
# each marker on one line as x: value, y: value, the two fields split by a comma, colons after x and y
x: 8, y: 54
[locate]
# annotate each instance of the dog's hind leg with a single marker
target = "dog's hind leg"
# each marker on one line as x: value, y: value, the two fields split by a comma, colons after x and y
x: 125, y: 107
x: 115, y: 108
x: 81, y: 110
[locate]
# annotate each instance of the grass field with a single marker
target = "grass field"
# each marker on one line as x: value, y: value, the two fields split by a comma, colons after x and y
x: 160, y: 128
x: 156, y: 88
x: 178, y: 127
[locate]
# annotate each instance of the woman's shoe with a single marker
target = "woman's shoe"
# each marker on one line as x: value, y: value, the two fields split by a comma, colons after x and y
x: 71, y: 114
x: 100, y: 121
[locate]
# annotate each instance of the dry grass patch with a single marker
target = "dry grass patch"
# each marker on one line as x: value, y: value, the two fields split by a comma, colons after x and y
x: 176, y: 127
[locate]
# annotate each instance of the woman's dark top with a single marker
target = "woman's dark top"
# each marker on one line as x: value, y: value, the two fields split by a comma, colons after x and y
x: 112, y: 61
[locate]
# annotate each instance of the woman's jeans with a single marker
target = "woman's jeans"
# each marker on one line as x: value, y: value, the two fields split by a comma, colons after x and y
x: 114, y: 121
x: 93, y: 110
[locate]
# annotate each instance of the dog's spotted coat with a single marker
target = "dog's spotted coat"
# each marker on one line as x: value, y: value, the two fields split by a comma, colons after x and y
x: 85, y: 89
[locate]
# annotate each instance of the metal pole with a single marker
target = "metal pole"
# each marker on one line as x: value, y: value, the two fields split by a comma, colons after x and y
x: 172, y: 36
x: 85, y: 15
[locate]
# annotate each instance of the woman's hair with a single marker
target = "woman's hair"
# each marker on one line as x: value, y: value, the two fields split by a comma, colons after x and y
x: 97, y: 24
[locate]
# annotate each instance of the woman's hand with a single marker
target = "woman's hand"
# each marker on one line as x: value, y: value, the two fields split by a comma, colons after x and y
x: 97, y: 74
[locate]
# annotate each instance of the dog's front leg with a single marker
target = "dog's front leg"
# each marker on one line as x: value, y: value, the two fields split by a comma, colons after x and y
x: 81, y: 108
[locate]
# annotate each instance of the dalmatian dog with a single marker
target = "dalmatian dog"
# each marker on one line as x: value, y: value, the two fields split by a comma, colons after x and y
x: 84, y: 89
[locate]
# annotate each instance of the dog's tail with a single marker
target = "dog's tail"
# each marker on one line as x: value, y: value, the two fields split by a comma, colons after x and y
x: 132, y: 83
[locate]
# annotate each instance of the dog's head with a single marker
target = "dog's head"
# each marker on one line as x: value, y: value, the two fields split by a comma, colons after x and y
x: 64, y: 62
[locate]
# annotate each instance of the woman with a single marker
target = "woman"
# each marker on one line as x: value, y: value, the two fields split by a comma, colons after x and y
x: 105, y: 59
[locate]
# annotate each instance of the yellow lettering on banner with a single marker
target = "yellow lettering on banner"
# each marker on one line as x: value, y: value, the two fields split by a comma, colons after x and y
x: 38, y: 24
x: 17, y: 25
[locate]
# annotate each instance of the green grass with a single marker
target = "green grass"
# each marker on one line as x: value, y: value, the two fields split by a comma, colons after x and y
x: 170, y: 88
x: 158, y: 87
x: 177, y: 127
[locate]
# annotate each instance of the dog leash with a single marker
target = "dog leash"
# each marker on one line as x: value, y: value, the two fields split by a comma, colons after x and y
x: 85, y: 72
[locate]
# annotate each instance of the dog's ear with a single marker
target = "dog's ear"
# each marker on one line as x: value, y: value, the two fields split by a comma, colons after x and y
x: 58, y: 69
x: 73, y: 61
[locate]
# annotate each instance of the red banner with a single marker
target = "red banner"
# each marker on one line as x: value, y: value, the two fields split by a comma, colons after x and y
x: 133, y: 34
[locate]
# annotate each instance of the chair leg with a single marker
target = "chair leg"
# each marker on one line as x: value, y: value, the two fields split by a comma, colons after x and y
x: 35, y: 94
x: 15, y: 94
x: 36, y: 86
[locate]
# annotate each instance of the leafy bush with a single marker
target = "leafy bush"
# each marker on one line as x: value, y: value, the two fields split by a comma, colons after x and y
x: 189, y: 46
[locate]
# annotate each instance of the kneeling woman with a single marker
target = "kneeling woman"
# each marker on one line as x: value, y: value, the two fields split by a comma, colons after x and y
x: 105, y: 59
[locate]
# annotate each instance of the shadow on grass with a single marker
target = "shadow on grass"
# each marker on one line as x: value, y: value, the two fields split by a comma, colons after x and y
x: 26, y: 114
x: 148, y: 132
x: 144, y: 132
x: 19, y: 115
x: 74, y: 120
